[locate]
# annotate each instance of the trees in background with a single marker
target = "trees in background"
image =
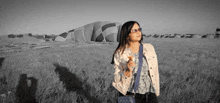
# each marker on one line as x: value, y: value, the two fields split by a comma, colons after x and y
x: 30, y: 34
x: 20, y: 36
x: 11, y: 36
x: 217, y: 33
x: 15, y: 36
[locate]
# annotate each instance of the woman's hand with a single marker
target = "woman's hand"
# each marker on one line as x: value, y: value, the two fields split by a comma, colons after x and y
x: 129, y: 70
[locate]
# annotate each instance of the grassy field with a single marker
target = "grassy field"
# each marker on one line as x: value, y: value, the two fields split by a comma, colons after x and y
x: 81, y: 73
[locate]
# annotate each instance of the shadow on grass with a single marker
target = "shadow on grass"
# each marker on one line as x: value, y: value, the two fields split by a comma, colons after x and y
x: 25, y: 93
x: 73, y: 83
x: 1, y: 61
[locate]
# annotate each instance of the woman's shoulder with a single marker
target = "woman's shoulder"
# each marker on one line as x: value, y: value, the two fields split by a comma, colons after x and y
x: 118, y: 53
x: 147, y: 45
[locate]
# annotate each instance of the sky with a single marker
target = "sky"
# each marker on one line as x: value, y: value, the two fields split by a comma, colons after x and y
x: 154, y: 16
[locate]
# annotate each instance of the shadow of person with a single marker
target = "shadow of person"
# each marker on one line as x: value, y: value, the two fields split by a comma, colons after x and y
x: 24, y: 93
x: 32, y: 89
x: 73, y: 83
x: 1, y: 61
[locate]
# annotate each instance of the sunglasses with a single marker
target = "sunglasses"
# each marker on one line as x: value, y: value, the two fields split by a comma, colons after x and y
x: 135, y: 30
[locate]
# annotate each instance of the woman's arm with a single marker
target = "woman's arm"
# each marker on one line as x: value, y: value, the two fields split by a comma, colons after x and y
x: 121, y: 82
x: 120, y: 70
x: 156, y: 72
x: 157, y: 80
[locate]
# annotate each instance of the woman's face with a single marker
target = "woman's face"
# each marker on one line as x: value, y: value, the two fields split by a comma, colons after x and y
x: 135, y: 36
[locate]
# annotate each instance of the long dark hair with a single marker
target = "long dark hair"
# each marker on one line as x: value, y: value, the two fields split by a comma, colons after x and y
x: 125, y: 30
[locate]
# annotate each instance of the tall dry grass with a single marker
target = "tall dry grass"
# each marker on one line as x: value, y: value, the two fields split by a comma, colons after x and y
x: 189, y: 72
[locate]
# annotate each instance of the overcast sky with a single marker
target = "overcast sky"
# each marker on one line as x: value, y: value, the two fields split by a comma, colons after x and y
x: 154, y: 16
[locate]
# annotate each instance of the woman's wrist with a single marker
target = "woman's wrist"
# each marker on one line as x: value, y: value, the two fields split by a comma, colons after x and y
x: 127, y: 72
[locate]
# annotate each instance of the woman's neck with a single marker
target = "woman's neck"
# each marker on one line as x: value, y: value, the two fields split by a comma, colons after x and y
x: 134, y: 45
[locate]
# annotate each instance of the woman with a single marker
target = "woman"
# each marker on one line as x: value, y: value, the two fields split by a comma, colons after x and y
x: 125, y: 69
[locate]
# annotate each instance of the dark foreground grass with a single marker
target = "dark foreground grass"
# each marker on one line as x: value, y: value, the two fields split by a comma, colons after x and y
x: 189, y: 73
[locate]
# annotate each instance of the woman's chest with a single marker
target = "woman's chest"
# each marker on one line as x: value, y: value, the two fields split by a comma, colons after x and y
x: 144, y: 66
